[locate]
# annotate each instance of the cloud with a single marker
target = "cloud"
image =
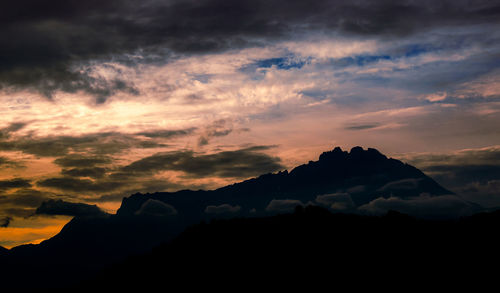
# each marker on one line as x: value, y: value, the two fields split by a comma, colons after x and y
x: 83, y: 161
x: 167, y: 133
x: 43, y: 44
x: 356, y: 189
x: 100, y: 176
x: 218, y: 128
x: 5, y: 222
x: 13, y: 127
x: 142, y: 185
x: 444, y: 206
x: 336, y: 201
x: 487, y: 86
x: 403, y: 184
x: 94, y: 172
x: 480, y: 156
x: 362, y: 126
x: 14, y: 183
x: 24, y: 198
x: 283, y: 205
x: 472, y: 173
x: 154, y: 207
x: 436, y: 97
x: 60, y: 207
x: 491, y: 187
x: 464, y: 173
x: 7, y: 163
x: 95, y: 143
x: 80, y: 185
x: 231, y: 164
x: 222, y: 209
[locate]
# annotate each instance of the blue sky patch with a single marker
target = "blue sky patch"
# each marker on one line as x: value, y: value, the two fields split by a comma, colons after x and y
x: 281, y: 63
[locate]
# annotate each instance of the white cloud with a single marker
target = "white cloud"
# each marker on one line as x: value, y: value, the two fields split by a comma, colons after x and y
x: 222, y: 209
x: 283, y: 205
x: 154, y: 207
x: 403, y: 184
x: 333, y: 48
x: 436, y: 97
x: 422, y: 206
x: 336, y: 201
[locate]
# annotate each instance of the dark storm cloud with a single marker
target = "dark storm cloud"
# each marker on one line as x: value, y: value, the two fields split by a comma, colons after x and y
x: 56, y: 146
x: 22, y: 202
x: 7, y: 163
x: 473, y: 174
x: 464, y: 173
x: 481, y: 165
x: 80, y: 185
x: 19, y: 212
x: 95, y: 172
x: 144, y: 185
x: 234, y: 164
x: 42, y: 41
x: 110, y: 187
x: 4, y: 161
x: 13, y: 127
x: 14, y: 183
x: 218, y: 128
x: 167, y: 133
x: 485, y: 156
x: 60, y: 207
x: 83, y: 161
x: 26, y: 197
x: 362, y: 126
x: 5, y: 222
x: 99, y: 174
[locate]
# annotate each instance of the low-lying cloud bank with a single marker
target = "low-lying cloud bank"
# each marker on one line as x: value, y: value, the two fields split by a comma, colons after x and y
x: 222, y: 209
x: 60, y: 207
x: 423, y: 206
x: 473, y: 173
x: 156, y: 208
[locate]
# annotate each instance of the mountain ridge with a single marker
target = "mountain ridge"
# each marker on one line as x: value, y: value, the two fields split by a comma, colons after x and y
x: 335, y: 171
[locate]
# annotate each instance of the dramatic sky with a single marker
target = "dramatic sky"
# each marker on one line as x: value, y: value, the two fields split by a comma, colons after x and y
x: 102, y: 99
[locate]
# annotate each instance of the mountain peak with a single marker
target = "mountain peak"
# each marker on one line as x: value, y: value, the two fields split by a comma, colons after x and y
x: 356, y: 152
x: 370, y: 153
x: 335, y: 154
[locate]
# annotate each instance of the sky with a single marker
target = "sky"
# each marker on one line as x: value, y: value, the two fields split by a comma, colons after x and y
x: 103, y: 99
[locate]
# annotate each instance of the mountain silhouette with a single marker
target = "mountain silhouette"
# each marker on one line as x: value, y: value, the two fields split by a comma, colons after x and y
x: 364, y: 175
x: 360, y: 181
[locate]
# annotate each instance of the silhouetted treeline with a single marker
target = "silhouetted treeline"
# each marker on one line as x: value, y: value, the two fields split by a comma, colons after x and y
x: 311, y: 247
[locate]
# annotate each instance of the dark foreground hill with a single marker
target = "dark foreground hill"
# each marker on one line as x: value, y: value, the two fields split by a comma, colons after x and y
x: 362, y: 182
x: 314, y: 248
